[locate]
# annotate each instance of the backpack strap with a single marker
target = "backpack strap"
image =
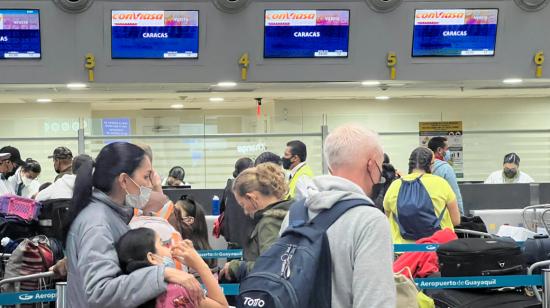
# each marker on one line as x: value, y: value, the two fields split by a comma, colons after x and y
x: 298, y: 215
x: 326, y: 218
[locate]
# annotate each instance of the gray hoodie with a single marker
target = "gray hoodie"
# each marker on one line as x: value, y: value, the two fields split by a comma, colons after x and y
x: 94, y: 275
x: 360, y: 246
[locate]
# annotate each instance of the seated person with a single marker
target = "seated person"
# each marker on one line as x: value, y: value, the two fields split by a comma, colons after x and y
x: 419, y: 204
x: 510, y: 172
x: 175, y: 177
x: 142, y: 247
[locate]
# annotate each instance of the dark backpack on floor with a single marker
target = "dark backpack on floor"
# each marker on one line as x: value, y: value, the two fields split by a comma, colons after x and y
x: 415, y: 211
x: 296, y: 271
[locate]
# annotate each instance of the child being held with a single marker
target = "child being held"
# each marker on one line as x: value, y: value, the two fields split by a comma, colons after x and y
x: 143, y: 247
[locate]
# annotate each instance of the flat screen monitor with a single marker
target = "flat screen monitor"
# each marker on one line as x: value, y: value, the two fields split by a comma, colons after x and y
x: 455, y: 33
x: 154, y: 34
x: 20, y: 34
x: 306, y: 33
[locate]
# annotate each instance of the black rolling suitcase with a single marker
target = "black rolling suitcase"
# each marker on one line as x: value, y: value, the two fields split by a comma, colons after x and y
x: 466, y: 299
x: 481, y: 257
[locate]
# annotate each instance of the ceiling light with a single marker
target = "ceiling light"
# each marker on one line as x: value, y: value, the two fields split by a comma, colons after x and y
x: 382, y: 98
x: 76, y: 85
x: 370, y: 83
x: 227, y: 84
x: 44, y: 100
x: 176, y: 106
x: 512, y: 81
x: 216, y: 99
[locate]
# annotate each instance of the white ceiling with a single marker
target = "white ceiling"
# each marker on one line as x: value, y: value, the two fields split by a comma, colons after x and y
x: 196, y: 95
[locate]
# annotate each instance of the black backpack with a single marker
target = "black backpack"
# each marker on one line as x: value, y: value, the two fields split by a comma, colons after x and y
x: 53, y: 217
x: 296, y: 271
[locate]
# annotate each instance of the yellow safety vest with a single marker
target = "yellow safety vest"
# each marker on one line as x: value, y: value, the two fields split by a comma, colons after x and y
x: 305, y: 170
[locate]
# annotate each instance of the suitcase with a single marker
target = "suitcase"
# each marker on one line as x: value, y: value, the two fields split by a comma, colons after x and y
x: 537, y: 249
x: 450, y: 298
x: 480, y: 257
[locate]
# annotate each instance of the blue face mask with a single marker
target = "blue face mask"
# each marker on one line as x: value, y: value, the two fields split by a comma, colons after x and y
x: 167, y: 261
x: 447, y: 155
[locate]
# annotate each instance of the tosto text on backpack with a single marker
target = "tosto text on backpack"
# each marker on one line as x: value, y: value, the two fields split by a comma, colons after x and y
x: 296, y: 271
x: 415, y: 211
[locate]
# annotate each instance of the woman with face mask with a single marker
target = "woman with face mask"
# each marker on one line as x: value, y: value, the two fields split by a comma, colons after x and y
x: 105, y: 196
x: 260, y: 191
x: 23, y: 182
x: 510, y: 172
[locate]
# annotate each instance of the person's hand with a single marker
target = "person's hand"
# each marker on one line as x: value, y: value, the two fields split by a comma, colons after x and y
x: 188, y: 255
x: 156, y: 181
x: 60, y: 269
x: 185, y: 280
x: 224, y: 273
x: 156, y: 202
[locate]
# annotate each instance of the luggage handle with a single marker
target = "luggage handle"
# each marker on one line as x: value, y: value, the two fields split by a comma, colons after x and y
x: 504, y: 271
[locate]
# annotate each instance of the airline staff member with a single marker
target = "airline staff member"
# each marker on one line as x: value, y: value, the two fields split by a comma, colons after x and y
x: 294, y: 160
x: 509, y: 173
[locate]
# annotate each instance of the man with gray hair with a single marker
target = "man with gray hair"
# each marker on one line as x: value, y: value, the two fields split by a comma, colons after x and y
x: 360, y: 240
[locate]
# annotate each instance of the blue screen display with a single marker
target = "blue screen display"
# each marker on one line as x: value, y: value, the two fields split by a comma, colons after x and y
x: 20, y: 34
x: 306, y: 33
x: 154, y: 34
x: 455, y: 33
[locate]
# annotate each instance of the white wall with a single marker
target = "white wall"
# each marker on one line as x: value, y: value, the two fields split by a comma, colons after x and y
x: 483, y: 151
x: 492, y: 128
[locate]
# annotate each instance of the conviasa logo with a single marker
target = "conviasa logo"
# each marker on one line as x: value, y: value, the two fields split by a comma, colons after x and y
x: 444, y: 15
x: 138, y: 16
x: 295, y: 16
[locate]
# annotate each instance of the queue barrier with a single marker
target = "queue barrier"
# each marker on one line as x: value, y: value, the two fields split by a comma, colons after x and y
x: 422, y: 283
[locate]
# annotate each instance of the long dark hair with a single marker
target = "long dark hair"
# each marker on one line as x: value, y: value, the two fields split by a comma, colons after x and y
x: 114, y: 159
x: 421, y: 159
x: 198, y: 231
x: 132, y: 249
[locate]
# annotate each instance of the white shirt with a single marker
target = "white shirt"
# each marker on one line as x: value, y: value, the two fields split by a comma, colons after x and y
x: 27, y: 191
x: 60, y: 189
x: 5, y: 188
x: 295, y: 169
x: 498, y: 177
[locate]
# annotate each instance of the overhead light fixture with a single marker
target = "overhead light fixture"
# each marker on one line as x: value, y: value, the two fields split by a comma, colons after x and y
x: 382, y: 98
x: 512, y: 80
x: 76, y: 85
x: 216, y: 99
x: 370, y: 83
x: 44, y: 100
x: 227, y: 84
x: 176, y: 106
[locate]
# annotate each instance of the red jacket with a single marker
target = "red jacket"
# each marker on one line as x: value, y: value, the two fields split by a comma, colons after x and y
x: 423, y: 264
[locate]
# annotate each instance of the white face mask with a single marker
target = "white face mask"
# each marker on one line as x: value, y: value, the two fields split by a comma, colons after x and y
x: 26, y: 181
x: 138, y: 201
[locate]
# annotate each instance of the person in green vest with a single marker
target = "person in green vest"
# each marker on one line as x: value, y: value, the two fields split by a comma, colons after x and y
x: 294, y: 160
